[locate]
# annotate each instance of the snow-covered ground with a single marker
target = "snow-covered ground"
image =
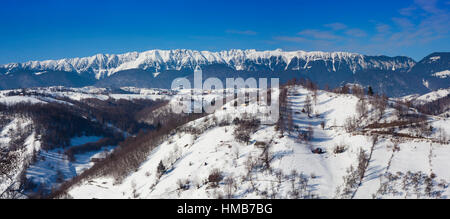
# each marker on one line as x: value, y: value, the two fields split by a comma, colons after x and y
x: 397, y: 167
x: 53, y: 167
x: 19, y: 99
x: 394, y: 164
x: 55, y: 94
x: 442, y: 74
x: 429, y: 97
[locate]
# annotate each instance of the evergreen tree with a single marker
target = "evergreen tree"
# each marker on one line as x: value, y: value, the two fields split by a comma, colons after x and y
x: 370, y: 91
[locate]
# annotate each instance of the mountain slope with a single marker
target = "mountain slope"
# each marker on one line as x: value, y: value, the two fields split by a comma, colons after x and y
x: 191, y: 158
x: 434, y: 70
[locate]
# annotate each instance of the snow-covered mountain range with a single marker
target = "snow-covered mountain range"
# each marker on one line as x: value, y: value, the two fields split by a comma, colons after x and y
x: 104, y: 65
x: 394, y: 76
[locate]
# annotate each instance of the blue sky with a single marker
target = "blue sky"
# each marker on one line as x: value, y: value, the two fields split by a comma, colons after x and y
x: 52, y: 29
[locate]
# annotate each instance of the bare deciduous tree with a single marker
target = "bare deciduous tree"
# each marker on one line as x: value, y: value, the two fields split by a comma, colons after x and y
x: 308, y: 105
x: 361, y: 108
x: 230, y: 186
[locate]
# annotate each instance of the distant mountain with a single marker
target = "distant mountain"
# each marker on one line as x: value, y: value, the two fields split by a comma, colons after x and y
x: 101, y: 65
x: 434, y: 70
x: 395, y: 76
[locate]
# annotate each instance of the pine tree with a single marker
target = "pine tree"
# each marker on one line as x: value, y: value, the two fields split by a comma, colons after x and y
x: 370, y: 91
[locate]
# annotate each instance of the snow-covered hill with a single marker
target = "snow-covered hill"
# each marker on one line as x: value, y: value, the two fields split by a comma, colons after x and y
x: 429, y: 97
x: 334, y: 163
x: 18, y: 143
x: 442, y: 74
x: 50, y: 135
x: 56, y: 94
x: 340, y: 159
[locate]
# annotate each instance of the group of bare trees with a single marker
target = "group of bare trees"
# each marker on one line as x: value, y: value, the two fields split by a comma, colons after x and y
x: 411, y: 185
x: 284, y: 110
x: 362, y: 108
x: 14, y: 159
x: 306, y: 135
x: 366, y: 103
x: 300, y: 186
x: 436, y: 107
x: 380, y: 104
x: 57, y: 122
x: 215, y: 177
x: 285, y: 122
x: 354, y: 177
x: 245, y: 127
x: 351, y: 124
x: 132, y: 152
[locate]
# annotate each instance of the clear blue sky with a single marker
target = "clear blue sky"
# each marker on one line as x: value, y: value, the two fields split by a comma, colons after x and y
x: 52, y: 29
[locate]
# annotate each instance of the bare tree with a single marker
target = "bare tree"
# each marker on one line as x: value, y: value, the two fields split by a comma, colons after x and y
x: 358, y: 91
x: 230, y: 186
x: 351, y: 124
x: 306, y: 136
x: 310, y: 132
x: 290, y: 122
x: 308, y: 106
x: 401, y: 109
x: 380, y: 104
x: 237, y: 153
x: 442, y: 136
x: 267, y: 157
x: 215, y: 177
x: 314, y: 95
x: 361, y: 108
